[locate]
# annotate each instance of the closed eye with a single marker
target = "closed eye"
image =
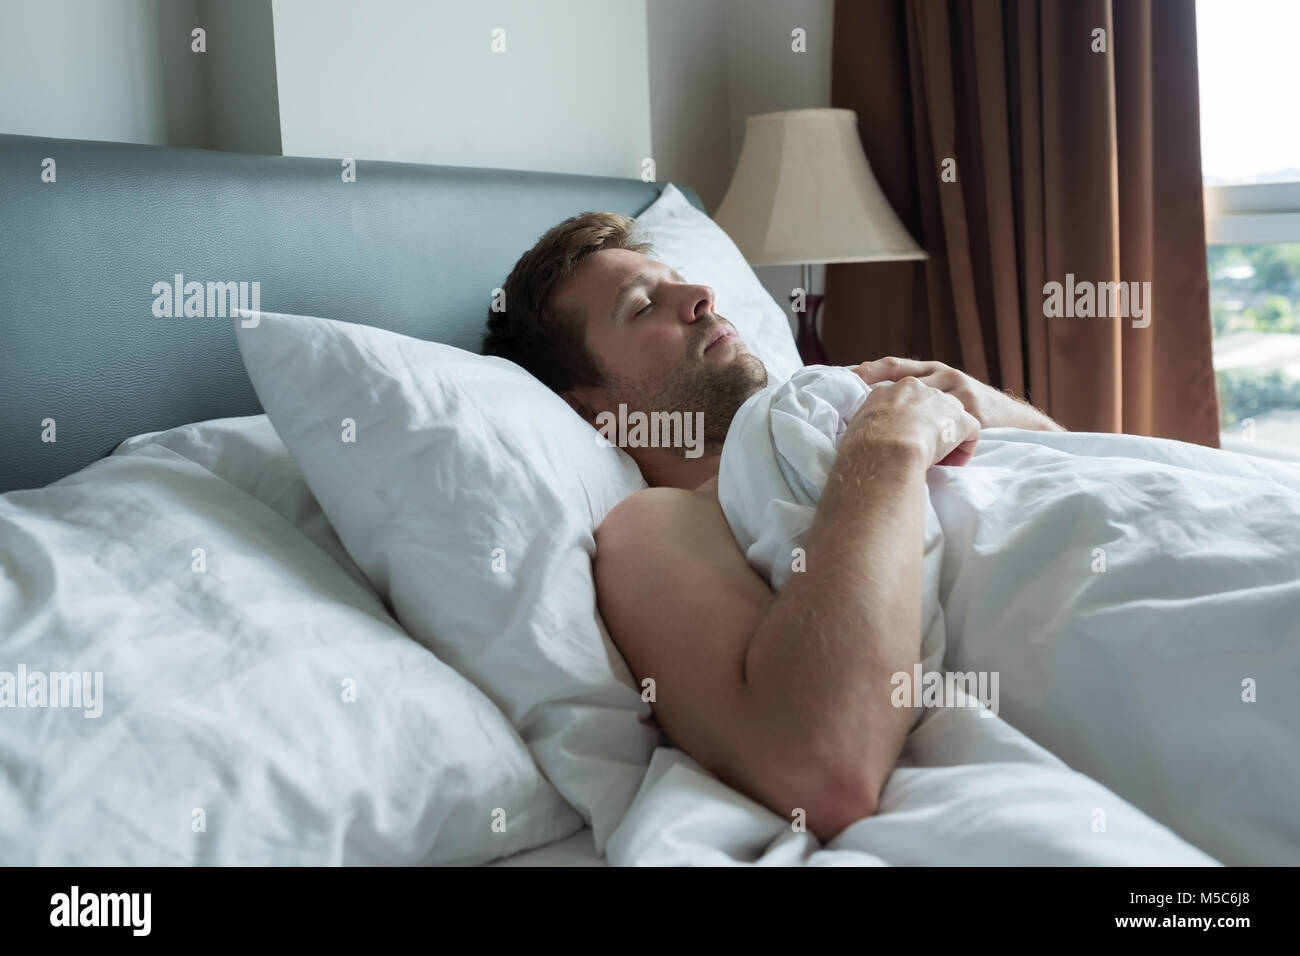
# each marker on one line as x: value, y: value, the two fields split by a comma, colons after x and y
x: 648, y: 307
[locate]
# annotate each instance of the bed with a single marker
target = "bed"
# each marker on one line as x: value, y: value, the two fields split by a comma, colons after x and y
x: 290, y: 575
x: 88, y: 228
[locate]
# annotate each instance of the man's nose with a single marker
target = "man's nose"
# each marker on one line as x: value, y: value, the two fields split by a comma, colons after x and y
x: 699, y: 302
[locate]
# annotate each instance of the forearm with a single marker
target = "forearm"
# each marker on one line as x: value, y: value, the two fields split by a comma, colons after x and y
x: 820, y: 664
x: 1023, y: 415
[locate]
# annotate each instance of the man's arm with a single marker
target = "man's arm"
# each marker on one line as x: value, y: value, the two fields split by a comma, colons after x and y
x: 990, y: 407
x: 1018, y: 413
x: 787, y: 698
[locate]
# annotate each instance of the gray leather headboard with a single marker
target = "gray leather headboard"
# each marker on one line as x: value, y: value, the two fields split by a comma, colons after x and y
x: 415, y: 249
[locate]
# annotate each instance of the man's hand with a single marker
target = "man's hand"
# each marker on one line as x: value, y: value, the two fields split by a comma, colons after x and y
x: 991, y: 408
x: 910, y: 414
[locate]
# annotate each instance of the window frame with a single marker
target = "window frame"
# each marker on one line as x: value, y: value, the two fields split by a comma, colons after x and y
x: 1252, y: 213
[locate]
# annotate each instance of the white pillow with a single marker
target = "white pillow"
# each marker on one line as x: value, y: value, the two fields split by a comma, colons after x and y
x: 248, y: 453
x: 469, y: 496
x: 258, y: 705
x: 689, y: 241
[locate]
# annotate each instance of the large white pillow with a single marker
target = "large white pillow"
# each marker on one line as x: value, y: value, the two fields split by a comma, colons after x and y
x: 695, y: 245
x: 469, y: 494
x: 247, y: 452
x: 258, y: 705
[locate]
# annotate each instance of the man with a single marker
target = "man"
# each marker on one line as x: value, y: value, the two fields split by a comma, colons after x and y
x: 785, y: 697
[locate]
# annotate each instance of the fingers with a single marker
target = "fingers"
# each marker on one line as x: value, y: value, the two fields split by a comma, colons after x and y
x: 972, y: 425
x: 936, y: 420
x: 968, y: 428
x: 958, y: 432
x: 892, y: 369
x: 945, y: 379
x: 957, y: 457
x: 953, y: 430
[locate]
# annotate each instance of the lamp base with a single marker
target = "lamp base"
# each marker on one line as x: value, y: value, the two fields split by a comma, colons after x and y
x: 809, y: 345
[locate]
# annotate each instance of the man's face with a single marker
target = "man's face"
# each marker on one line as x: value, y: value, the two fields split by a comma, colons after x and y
x: 660, y: 343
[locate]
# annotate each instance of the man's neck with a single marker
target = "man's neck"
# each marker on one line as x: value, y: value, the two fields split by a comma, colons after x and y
x: 665, y: 468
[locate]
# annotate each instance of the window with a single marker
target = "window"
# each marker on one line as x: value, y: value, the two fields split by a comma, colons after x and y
x: 1250, y: 161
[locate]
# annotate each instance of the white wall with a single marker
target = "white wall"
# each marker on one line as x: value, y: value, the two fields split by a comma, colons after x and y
x: 243, y: 106
x: 690, y: 95
x: 766, y: 75
x: 584, y: 86
x: 715, y: 62
x: 90, y: 69
x: 417, y: 81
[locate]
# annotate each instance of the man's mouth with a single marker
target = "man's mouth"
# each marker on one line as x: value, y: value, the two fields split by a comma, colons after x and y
x: 722, y: 333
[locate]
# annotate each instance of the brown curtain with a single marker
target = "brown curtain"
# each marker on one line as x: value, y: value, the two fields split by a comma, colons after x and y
x: 1067, y: 161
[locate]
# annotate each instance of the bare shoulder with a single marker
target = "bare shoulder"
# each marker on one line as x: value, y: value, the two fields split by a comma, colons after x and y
x: 681, y: 603
x: 654, y: 516
x: 662, y: 536
x: 651, y: 546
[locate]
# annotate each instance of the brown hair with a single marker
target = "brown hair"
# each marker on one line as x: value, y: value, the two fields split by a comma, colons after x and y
x: 549, y: 342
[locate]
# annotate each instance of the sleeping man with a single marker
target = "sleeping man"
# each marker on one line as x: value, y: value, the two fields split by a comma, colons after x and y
x: 788, y: 693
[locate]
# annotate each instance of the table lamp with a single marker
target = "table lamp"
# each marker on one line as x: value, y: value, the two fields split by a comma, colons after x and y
x: 802, y: 194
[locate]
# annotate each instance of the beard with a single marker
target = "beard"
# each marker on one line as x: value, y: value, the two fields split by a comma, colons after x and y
x: 697, y: 385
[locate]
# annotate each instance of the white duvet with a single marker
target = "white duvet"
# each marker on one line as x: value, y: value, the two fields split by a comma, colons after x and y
x: 251, y: 701
x: 1139, y: 600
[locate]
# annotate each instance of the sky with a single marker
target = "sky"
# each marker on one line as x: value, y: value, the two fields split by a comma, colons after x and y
x: 1249, y: 60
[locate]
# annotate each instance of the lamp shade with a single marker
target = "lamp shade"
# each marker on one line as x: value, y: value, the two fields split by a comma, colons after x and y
x: 803, y: 193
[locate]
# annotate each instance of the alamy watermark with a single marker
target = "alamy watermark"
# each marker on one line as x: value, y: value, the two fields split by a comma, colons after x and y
x: 82, y: 689
x: 75, y: 908
x: 639, y: 429
x: 1086, y: 300
x: 198, y: 300
x: 939, y: 689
